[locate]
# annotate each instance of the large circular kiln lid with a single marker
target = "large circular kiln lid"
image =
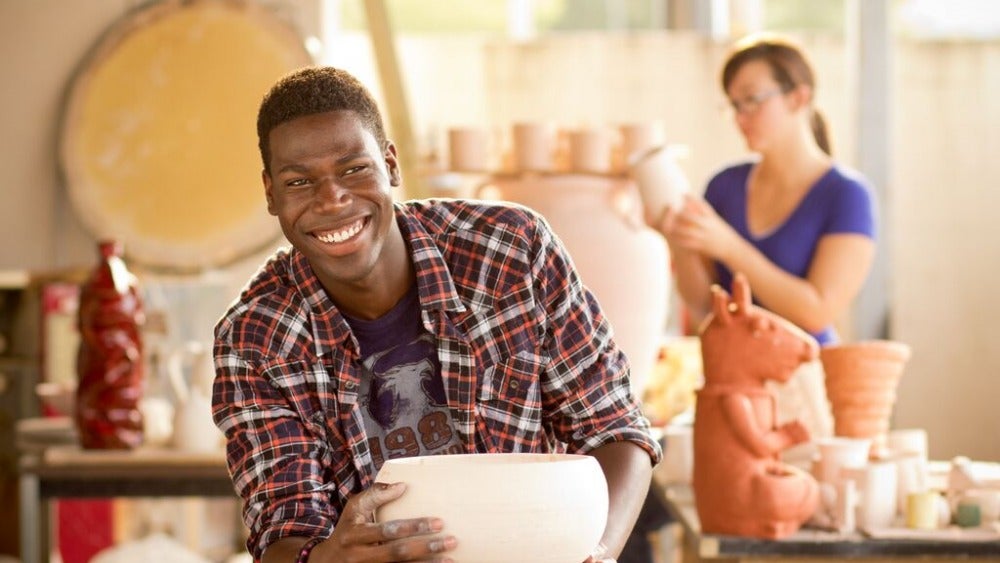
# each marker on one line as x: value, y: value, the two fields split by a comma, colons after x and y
x: 158, y: 142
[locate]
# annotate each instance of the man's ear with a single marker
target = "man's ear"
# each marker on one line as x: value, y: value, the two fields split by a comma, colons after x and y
x: 392, y: 164
x: 266, y: 178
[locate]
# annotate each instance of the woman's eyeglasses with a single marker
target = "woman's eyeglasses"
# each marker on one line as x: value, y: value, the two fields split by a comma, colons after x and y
x: 750, y: 104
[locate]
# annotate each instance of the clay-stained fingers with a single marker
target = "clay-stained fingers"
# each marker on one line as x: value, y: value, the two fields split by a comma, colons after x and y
x: 395, y: 530
x: 360, y: 509
x: 413, y: 548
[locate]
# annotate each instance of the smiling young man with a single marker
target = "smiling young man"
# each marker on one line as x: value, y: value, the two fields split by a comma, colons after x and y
x: 401, y: 329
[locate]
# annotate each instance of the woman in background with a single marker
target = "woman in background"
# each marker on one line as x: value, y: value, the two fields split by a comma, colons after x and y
x: 798, y: 224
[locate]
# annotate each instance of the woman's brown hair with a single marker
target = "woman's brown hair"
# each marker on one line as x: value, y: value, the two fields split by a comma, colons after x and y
x: 789, y: 67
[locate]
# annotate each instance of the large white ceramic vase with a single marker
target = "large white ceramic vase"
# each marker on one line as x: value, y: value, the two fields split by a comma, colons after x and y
x: 625, y: 263
x: 543, y: 508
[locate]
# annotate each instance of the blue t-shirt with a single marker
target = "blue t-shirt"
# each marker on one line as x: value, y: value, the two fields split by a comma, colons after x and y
x: 839, y: 202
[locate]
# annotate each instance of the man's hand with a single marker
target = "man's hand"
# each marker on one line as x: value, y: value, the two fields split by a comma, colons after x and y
x: 600, y: 555
x: 358, y: 539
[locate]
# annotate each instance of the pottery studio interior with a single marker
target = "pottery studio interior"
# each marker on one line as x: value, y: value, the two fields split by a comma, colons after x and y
x: 686, y: 280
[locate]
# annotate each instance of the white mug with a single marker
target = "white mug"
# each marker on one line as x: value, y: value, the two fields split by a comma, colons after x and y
x: 836, y: 453
x: 660, y: 181
x: 876, y: 483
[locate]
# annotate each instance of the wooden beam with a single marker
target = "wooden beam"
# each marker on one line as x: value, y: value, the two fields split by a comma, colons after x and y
x: 400, y: 128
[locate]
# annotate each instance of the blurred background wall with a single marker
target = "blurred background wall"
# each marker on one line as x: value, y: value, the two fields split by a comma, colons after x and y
x: 942, y: 133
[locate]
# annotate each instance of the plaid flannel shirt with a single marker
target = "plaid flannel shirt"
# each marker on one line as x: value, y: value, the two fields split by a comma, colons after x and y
x: 527, y: 359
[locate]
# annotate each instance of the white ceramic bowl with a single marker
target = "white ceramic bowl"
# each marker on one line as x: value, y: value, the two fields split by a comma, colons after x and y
x: 544, y: 508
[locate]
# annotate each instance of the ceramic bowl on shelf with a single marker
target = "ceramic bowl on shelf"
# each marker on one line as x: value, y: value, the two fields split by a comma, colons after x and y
x: 545, y: 508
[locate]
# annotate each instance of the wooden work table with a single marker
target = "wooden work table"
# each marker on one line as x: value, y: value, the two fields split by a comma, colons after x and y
x: 52, y: 465
x: 814, y: 546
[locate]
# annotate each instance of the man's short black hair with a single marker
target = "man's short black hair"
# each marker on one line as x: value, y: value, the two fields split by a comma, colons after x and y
x: 315, y: 90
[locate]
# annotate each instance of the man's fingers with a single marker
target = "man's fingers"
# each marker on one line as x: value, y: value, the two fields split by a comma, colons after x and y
x: 376, y: 496
x: 395, y: 529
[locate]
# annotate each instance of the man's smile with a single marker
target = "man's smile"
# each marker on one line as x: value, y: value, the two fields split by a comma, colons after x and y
x: 342, y: 234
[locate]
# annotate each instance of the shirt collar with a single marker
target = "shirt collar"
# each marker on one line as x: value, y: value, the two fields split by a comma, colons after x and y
x: 434, y: 284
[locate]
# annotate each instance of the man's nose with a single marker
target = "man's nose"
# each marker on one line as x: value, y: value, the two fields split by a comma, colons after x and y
x: 330, y: 192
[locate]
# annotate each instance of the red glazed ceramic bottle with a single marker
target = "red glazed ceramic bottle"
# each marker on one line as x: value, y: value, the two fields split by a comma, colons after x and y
x: 109, y: 361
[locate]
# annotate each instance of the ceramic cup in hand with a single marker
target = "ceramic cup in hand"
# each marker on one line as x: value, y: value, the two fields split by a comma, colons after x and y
x: 660, y: 181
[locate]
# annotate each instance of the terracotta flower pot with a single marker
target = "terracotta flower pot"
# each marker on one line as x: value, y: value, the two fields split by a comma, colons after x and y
x: 505, y: 507
x: 861, y: 381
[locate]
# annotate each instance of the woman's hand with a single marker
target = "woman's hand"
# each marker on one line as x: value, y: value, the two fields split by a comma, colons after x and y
x: 696, y: 227
x: 358, y: 538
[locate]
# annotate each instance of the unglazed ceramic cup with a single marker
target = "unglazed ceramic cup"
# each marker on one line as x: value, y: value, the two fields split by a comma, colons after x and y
x: 590, y: 150
x: 639, y: 137
x: 545, y: 508
x: 660, y: 181
x: 533, y: 147
x: 468, y: 149
x: 838, y: 452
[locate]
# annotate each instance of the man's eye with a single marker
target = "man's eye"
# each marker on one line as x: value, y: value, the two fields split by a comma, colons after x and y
x: 296, y: 182
x: 354, y: 170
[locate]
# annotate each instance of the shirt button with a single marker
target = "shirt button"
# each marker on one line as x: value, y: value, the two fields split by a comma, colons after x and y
x: 349, y: 386
x: 514, y: 384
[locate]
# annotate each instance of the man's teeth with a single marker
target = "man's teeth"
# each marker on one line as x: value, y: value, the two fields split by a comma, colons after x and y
x: 341, y: 235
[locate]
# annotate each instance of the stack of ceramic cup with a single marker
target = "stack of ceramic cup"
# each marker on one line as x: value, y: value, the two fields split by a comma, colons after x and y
x: 861, y: 381
x: 541, y: 147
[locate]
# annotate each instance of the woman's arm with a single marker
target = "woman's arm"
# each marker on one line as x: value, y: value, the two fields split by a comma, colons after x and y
x: 694, y: 276
x: 693, y: 272
x: 839, y: 267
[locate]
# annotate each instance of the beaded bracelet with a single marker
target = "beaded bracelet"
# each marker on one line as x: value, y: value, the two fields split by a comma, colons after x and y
x: 307, y: 548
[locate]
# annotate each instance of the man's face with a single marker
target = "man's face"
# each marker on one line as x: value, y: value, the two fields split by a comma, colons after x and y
x: 330, y: 188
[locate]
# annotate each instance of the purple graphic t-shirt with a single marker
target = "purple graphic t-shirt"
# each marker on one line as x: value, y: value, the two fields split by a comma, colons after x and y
x: 402, y: 395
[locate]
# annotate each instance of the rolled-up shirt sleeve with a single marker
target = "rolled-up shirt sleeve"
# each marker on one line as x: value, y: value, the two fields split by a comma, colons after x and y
x: 275, y: 458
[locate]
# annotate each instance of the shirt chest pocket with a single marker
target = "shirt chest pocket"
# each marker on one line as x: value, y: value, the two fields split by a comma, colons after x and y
x: 510, y: 402
x: 303, y: 386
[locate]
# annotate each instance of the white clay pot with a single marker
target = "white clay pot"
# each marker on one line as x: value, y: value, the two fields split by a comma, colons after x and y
x: 544, y: 508
x: 623, y: 262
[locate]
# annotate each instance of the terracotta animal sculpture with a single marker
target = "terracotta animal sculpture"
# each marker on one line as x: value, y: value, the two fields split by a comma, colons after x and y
x: 741, y: 488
